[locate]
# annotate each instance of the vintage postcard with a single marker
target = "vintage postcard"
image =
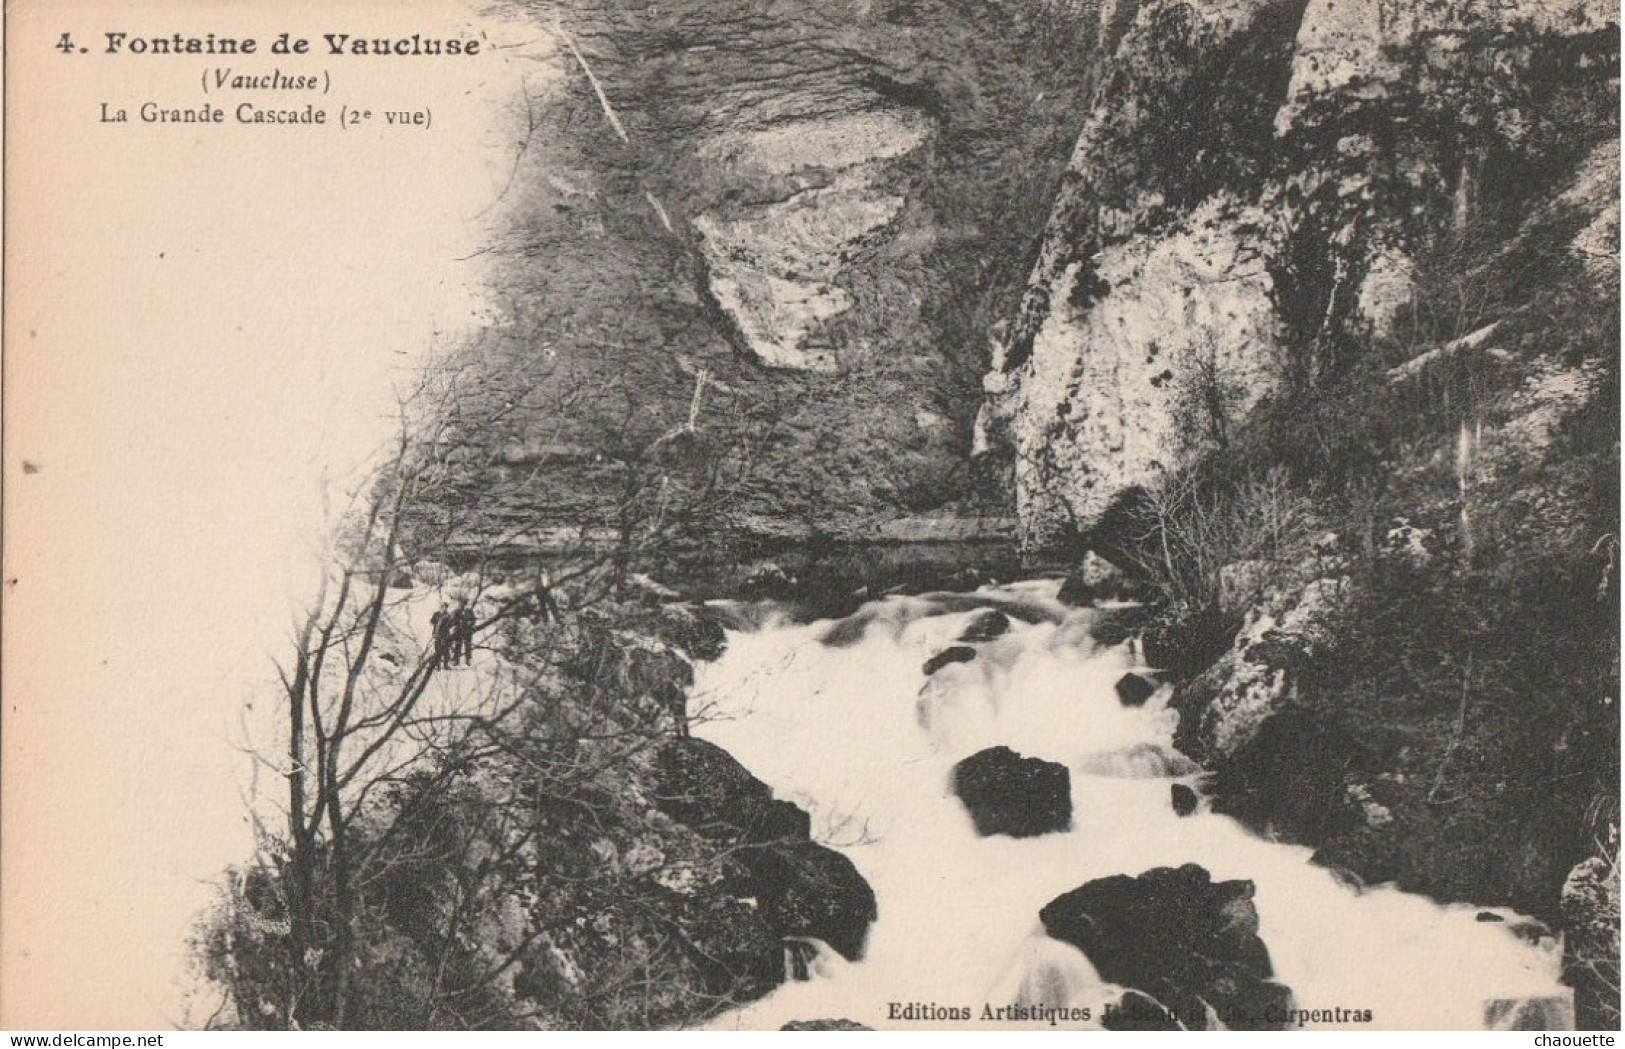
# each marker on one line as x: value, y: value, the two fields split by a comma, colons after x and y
x: 745, y: 514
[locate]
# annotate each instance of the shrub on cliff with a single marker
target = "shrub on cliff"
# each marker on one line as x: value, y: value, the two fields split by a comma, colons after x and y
x: 1181, y: 536
x: 1467, y: 461
x: 519, y: 876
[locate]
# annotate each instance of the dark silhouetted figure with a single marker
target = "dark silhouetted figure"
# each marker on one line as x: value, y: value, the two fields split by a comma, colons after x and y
x: 443, y: 629
x: 463, y: 634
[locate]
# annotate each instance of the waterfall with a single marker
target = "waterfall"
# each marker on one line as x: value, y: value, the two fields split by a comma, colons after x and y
x: 841, y: 719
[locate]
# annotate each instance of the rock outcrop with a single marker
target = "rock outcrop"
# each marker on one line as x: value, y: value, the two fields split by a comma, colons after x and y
x: 1392, y: 678
x: 1281, y: 636
x: 802, y: 889
x: 1590, y: 908
x: 806, y: 889
x: 705, y: 787
x: 801, y: 203
x: 1187, y: 943
x: 1149, y: 308
x: 772, y: 223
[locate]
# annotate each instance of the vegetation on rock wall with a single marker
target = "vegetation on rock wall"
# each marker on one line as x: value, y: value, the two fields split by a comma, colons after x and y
x: 1455, y: 726
x: 496, y: 842
x: 1389, y: 588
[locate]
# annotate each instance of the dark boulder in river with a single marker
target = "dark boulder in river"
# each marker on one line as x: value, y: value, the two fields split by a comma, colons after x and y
x: 1180, y: 938
x: 986, y: 625
x: 1138, y: 1012
x: 805, y: 889
x: 956, y: 654
x: 1134, y: 689
x: 1184, y: 799
x: 1009, y: 794
x: 801, y: 888
x: 1094, y: 579
x: 702, y: 785
x: 1115, y: 624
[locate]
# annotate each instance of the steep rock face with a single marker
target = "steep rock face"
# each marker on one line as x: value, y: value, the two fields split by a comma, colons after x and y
x: 1148, y: 318
x: 803, y: 197
x: 781, y: 164
x: 1390, y: 684
x: 781, y: 158
x: 775, y: 226
x: 1253, y: 189
x: 1367, y: 252
x: 1119, y: 391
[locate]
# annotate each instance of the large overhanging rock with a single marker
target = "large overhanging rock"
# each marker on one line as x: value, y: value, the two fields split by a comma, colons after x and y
x: 807, y: 195
x: 1122, y: 387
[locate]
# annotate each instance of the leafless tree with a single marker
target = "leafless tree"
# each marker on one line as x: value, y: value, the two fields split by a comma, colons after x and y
x: 415, y: 797
x: 1192, y: 526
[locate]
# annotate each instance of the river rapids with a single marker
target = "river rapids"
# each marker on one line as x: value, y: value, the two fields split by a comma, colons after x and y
x: 841, y: 719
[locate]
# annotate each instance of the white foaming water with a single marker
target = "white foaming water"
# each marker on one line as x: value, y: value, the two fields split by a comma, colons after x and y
x: 858, y: 737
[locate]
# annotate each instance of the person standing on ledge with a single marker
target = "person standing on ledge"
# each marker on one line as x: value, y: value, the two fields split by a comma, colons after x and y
x: 441, y: 629
x: 463, y: 634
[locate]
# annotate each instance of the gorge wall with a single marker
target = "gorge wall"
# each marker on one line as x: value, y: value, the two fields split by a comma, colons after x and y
x: 1322, y: 345
x: 968, y: 262
x: 1258, y: 190
x: 787, y: 228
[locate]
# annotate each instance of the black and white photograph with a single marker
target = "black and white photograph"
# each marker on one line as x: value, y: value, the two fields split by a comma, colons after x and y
x: 760, y: 515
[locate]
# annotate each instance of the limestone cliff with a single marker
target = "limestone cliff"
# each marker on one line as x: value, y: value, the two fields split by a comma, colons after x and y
x: 1250, y: 197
